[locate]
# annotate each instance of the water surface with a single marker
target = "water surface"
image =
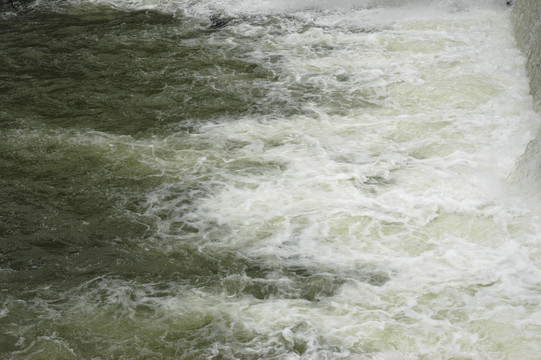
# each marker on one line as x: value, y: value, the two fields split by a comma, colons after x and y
x: 307, y: 182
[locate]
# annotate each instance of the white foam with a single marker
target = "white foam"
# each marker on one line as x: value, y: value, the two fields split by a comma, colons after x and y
x: 414, y: 185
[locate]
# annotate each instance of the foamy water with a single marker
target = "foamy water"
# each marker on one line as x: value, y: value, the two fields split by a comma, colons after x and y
x: 363, y: 207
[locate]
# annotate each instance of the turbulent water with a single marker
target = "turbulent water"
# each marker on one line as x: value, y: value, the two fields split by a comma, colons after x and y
x: 302, y: 180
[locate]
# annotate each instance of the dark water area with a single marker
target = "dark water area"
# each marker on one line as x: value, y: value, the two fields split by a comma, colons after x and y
x: 121, y: 72
x: 82, y: 93
x: 132, y: 74
x: 136, y: 74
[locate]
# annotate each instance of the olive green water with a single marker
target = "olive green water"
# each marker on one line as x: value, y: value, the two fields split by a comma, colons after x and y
x: 86, y: 94
x: 299, y: 184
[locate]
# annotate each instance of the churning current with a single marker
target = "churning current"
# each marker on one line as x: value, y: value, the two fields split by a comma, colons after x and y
x: 192, y: 179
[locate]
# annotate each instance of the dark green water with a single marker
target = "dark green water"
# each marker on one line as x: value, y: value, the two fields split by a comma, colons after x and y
x: 79, y: 93
x: 86, y: 94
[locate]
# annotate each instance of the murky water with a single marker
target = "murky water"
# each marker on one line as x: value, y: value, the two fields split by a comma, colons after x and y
x: 309, y: 181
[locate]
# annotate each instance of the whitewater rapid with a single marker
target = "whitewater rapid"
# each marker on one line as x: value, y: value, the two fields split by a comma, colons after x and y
x: 317, y: 182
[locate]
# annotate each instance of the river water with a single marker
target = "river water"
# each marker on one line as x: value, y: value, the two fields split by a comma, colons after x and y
x: 309, y: 181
